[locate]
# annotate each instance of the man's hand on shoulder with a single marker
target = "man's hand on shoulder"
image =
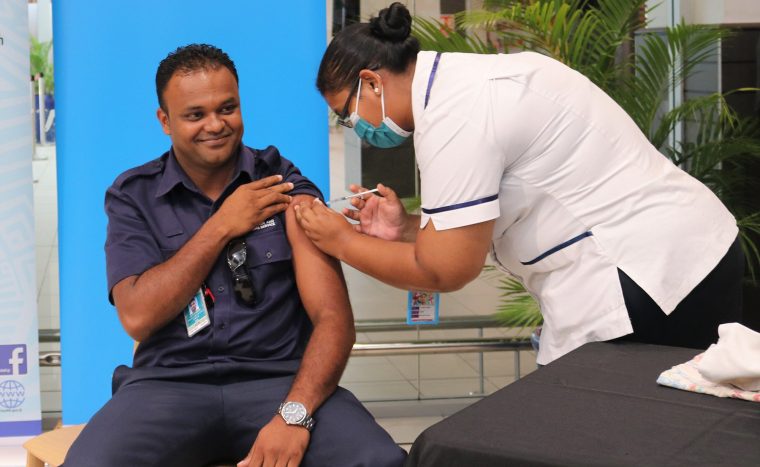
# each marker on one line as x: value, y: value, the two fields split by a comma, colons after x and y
x: 278, y: 444
x: 251, y: 204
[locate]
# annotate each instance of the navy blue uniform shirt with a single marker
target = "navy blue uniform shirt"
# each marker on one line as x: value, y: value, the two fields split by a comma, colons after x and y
x: 154, y: 209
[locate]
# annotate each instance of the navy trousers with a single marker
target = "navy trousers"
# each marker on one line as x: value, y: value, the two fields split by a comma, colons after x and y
x: 165, y: 422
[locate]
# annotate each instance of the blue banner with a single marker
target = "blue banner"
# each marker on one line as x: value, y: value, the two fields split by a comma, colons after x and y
x: 19, y: 365
x: 106, y: 55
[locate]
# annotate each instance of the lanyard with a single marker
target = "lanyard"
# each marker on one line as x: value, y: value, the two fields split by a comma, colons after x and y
x: 432, y: 76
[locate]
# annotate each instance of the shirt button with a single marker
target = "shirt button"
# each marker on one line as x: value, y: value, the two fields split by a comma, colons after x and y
x: 269, y: 254
x: 222, y: 325
x: 220, y: 289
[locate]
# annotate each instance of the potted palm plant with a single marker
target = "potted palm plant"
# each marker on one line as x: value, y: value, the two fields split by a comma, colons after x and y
x: 605, y: 42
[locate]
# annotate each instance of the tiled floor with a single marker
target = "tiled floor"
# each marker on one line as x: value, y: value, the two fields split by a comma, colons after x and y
x: 407, y: 393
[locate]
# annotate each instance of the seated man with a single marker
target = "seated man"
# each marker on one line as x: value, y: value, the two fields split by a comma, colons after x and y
x: 247, y: 371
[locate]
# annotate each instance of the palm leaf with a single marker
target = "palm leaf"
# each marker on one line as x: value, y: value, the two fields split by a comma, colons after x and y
x: 586, y: 40
x: 517, y: 308
x: 710, y: 111
x: 412, y: 205
x: 434, y: 35
x: 659, y: 61
x: 750, y: 226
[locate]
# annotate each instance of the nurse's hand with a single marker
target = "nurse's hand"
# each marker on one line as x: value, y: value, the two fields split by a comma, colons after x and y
x: 325, y: 227
x: 379, y: 216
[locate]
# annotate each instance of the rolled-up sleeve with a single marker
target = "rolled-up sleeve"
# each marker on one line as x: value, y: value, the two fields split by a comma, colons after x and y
x: 290, y: 173
x: 131, y: 248
x: 301, y: 184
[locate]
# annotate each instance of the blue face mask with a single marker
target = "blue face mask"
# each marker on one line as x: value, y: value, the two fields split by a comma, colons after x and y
x: 387, y: 135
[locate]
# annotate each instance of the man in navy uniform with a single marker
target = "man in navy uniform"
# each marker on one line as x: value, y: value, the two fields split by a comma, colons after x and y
x: 244, y: 326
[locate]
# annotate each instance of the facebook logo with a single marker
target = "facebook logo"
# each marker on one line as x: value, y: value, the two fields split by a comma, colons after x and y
x: 13, y: 359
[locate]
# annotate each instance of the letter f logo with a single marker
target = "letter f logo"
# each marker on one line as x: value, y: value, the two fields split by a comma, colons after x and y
x: 17, y: 360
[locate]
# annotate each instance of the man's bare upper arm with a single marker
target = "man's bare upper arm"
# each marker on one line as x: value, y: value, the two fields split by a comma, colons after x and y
x: 319, y: 277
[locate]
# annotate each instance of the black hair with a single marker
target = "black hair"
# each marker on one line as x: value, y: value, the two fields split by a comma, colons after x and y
x: 187, y: 59
x: 384, y: 42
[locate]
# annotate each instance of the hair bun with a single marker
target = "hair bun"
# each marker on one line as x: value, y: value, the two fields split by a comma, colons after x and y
x: 393, y: 23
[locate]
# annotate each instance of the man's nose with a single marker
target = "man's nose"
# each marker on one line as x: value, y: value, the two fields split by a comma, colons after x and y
x: 214, y: 124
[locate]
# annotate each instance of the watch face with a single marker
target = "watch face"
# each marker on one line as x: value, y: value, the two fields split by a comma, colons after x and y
x: 293, y: 412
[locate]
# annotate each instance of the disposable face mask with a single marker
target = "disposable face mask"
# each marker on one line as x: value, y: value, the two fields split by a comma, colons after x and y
x: 387, y: 135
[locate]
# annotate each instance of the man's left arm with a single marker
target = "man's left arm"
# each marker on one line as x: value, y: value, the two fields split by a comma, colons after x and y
x: 325, y: 298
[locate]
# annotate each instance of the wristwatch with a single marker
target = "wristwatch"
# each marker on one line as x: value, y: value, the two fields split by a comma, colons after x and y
x: 294, y: 413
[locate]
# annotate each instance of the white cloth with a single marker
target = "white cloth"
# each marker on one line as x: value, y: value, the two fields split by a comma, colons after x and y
x: 735, y: 359
x: 687, y: 377
x: 529, y: 142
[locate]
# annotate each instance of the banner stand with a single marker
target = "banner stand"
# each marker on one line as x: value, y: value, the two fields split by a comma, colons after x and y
x: 20, y: 413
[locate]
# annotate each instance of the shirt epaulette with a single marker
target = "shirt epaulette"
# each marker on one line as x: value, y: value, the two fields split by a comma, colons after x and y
x: 149, y: 169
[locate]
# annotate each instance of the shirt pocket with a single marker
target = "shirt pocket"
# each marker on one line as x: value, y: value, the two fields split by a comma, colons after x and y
x: 170, y: 231
x: 266, y: 249
x: 268, y: 262
x: 558, y: 256
x: 171, y: 241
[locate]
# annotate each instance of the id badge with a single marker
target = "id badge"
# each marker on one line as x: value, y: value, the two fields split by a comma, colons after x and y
x: 422, y: 307
x: 196, y: 314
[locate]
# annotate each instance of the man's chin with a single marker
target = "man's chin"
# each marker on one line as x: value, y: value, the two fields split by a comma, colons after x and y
x: 219, y: 155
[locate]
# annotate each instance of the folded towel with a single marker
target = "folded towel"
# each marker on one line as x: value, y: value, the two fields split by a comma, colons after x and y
x: 686, y: 376
x: 735, y: 359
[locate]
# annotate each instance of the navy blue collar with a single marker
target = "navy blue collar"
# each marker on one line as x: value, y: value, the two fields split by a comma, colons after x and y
x: 174, y: 175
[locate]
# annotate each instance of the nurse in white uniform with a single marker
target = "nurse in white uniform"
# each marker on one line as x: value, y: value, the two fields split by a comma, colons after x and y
x: 525, y: 158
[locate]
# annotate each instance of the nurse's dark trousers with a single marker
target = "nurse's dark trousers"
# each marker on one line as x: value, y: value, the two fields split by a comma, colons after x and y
x: 694, y: 323
x: 192, y: 424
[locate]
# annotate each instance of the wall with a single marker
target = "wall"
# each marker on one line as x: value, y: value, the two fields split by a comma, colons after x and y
x: 106, y: 56
x: 705, y: 11
x: 721, y: 11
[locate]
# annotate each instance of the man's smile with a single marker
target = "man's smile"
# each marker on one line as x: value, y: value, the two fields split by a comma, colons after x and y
x: 214, y: 140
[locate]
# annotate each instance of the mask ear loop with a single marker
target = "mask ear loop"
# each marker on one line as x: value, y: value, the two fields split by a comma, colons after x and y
x: 382, y: 100
x: 358, y: 95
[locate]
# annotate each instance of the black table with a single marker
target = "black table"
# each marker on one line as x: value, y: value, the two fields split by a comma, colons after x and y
x: 597, y: 406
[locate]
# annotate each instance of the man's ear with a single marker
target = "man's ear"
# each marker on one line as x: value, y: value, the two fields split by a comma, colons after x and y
x: 163, y: 118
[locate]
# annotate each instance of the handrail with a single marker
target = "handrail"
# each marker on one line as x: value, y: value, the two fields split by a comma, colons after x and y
x: 49, y: 335
x: 417, y: 347
x: 451, y: 322
x: 426, y: 347
x: 50, y: 359
x: 370, y: 325
x: 439, y: 347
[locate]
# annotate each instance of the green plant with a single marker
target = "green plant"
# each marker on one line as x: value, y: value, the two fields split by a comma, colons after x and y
x: 412, y: 205
x: 434, y: 35
x: 598, y: 41
x: 40, y: 63
x: 517, y: 309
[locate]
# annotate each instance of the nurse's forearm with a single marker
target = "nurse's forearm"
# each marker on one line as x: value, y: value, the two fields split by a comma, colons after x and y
x: 438, y: 260
x: 391, y: 262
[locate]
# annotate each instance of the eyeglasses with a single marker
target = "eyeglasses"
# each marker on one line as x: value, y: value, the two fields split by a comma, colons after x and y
x: 344, y: 118
x: 236, y: 256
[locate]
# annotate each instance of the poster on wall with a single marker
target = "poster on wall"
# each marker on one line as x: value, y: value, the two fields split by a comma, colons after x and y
x: 19, y: 366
